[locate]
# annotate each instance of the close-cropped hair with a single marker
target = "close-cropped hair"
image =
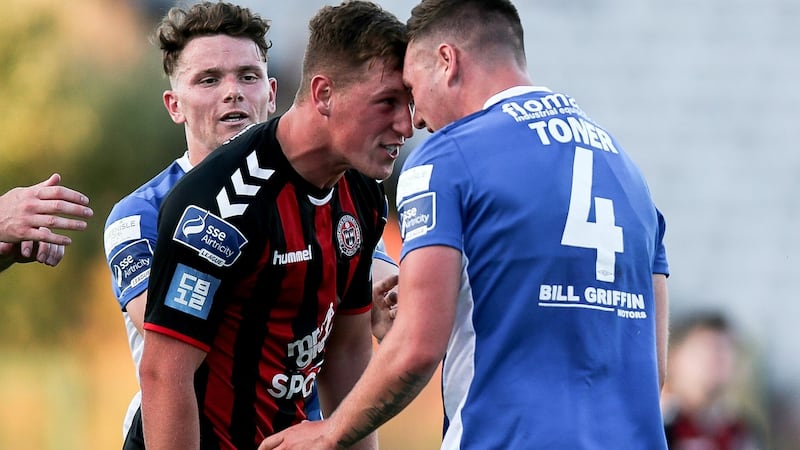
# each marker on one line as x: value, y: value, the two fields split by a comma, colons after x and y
x: 481, y: 24
x: 180, y: 26
x: 344, y: 38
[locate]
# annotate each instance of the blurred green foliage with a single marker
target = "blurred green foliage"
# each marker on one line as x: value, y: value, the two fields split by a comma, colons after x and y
x: 81, y: 89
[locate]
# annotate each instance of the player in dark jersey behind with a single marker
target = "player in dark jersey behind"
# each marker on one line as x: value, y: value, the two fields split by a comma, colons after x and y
x: 262, y: 266
x: 532, y: 257
x: 215, y: 55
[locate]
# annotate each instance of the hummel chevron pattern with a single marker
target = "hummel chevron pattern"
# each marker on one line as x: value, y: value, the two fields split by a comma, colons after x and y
x: 229, y: 209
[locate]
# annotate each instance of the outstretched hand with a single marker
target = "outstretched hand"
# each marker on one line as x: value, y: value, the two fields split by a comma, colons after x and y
x: 31, y: 213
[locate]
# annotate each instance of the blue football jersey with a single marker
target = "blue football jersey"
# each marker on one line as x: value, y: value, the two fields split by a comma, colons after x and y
x: 129, y: 240
x: 554, y: 344
x: 130, y: 232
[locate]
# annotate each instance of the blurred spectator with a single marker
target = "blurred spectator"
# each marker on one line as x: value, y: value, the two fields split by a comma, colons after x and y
x: 696, y: 399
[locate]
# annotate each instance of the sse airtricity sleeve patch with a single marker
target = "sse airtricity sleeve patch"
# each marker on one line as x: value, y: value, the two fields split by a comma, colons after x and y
x: 417, y: 215
x: 130, y: 266
x: 213, y: 238
x: 191, y: 291
x: 417, y: 212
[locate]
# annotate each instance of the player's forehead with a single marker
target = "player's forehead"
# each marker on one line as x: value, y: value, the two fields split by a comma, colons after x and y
x: 381, y: 79
x: 414, y: 60
x: 220, y: 51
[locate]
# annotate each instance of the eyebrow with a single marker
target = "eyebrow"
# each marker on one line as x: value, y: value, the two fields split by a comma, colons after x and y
x: 393, y: 91
x: 245, y: 68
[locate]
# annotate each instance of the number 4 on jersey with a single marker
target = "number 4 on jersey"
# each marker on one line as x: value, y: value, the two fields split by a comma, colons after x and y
x: 602, y: 234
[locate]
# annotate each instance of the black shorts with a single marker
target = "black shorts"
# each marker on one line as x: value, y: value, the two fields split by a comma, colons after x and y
x: 135, y: 438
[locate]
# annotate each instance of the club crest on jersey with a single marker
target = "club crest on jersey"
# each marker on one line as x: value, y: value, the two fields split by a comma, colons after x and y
x: 213, y: 238
x: 348, y: 235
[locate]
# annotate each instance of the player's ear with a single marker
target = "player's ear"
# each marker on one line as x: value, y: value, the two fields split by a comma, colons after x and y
x: 173, y: 107
x: 321, y: 93
x: 273, y: 89
x: 447, y: 60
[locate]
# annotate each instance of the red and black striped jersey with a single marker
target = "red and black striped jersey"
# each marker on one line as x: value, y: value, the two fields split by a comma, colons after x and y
x: 251, y: 265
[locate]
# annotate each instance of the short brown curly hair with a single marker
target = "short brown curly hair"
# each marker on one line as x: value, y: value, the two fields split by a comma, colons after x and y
x: 179, y: 26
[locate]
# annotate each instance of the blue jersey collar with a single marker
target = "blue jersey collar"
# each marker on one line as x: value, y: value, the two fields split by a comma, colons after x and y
x: 513, y: 92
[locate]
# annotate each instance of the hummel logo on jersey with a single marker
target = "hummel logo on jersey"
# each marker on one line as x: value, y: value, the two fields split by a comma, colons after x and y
x: 282, y: 259
x: 227, y: 208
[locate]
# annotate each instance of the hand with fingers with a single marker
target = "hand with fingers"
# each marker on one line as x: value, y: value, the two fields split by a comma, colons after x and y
x: 28, y: 216
x: 384, y: 305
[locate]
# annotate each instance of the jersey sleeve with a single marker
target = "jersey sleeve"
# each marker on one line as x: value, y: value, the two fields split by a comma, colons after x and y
x: 129, y: 239
x: 660, y: 264
x: 196, y: 253
x: 430, y: 192
x: 382, y: 254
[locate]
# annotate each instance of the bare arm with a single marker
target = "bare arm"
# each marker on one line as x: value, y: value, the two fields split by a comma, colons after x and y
x: 135, y: 309
x: 347, y: 354
x: 404, y: 362
x: 169, y: 406
x: 662, y: 324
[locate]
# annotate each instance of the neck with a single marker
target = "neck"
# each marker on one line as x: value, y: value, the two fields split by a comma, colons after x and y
x: 481, y: 79
x: 303, y: 136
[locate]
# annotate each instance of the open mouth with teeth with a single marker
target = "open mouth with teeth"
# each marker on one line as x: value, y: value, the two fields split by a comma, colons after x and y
x: 392, y: 150
x: 234, y: 117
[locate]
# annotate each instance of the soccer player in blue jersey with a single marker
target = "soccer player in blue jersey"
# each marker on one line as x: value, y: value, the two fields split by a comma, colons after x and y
x: 271, y: 242
x: 533, y: 260
x: 215, y: 55
x: 29, y: 216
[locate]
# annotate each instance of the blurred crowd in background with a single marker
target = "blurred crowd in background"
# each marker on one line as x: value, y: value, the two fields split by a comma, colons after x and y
x: 702, y: 95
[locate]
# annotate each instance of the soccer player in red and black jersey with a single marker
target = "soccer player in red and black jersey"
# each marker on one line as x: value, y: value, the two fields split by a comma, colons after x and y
x: 261, y: 273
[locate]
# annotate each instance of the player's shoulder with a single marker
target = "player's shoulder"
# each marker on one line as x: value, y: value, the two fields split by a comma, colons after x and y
x: 235, y: 154
x: 229, y: 181
x: 147, y: 198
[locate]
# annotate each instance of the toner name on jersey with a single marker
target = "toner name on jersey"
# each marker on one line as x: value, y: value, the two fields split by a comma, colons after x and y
x: 573, y: 128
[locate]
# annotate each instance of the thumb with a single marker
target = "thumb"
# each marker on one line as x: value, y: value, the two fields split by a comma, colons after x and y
x: 386, y: 284
x: 271, y: 442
